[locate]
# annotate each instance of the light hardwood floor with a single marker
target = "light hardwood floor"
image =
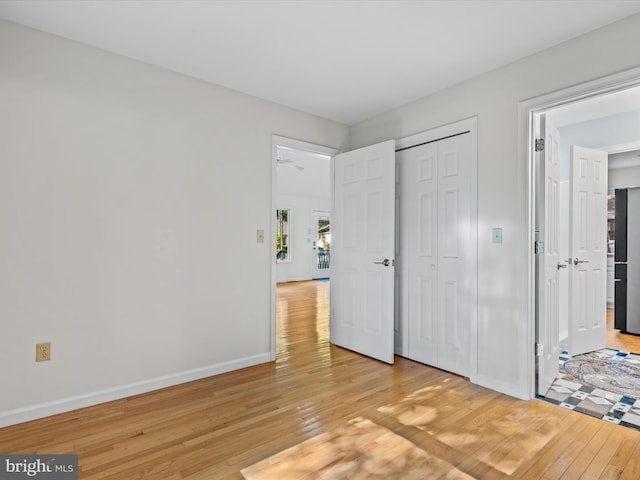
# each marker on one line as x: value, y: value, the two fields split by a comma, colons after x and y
x: 328, y: 397
x: 620, y: 341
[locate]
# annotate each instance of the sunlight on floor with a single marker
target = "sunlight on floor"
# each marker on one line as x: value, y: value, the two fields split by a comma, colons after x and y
x: 360, y: 450
x: 479, y: 439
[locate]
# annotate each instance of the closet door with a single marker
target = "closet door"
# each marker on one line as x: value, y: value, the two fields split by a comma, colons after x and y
x: 419, y: 227
x: 454, y: 256
x: 437, y: 260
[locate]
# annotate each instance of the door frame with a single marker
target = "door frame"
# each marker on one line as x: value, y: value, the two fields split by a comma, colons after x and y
x: 285, y: 142
x: 526, y: 179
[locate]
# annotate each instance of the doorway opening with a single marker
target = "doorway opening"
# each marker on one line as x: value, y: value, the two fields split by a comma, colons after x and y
x: 321, y: 241
x: 578, y: 110
x: 301, y: 187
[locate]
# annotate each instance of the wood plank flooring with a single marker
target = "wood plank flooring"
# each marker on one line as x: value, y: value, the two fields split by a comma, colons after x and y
x: 620, y: 341
x: 214, y: 428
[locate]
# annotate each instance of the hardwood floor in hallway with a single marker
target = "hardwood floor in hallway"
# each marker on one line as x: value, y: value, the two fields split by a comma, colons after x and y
x: 620, y: 341
x: 355, y: 418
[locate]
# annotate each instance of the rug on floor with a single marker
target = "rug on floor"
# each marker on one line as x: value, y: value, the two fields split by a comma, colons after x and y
x: 608, y: 369
x: 604, y: 384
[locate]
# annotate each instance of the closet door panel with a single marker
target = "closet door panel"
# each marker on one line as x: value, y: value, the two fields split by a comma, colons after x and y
x: 453, y: 260
x: 419, y: 206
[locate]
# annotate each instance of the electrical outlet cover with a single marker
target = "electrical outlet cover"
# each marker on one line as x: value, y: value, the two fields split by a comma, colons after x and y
x: 43, y: 352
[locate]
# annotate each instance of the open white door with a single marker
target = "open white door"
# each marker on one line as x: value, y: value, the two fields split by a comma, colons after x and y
x: 588, y: 247
x: 362, y: 263
x: 547, y: 261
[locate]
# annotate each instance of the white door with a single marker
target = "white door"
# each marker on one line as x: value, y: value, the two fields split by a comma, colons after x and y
x: 455, y: 267
x: 362, y: 280
x: 321, y: 244
x: 437, y: 245
x: 419, y: 253
x: 588, y: 248
x: 547, y: 258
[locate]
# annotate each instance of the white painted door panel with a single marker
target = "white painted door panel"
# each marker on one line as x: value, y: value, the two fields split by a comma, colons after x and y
x: 419, y: 216
x: 548, y: 262
x: 454, y: 258
x: 437, y: 247
x: 362, y: 286
x: 588, y: 247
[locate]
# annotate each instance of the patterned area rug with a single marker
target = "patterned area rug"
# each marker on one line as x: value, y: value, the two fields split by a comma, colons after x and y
x: 618, y: 372
x: 604, y: 384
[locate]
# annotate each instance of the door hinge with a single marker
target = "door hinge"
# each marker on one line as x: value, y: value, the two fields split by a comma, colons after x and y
x: 539, y: 144
x: 539, y: 349
x: 538, y: 247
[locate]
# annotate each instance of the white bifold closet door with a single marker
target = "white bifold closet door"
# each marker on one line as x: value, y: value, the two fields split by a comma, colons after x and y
x: 436, y: 257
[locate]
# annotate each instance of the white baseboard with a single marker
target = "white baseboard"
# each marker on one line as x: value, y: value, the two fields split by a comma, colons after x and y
x: 33, y: 412
x: 292, y: 279
x: 513, y: 390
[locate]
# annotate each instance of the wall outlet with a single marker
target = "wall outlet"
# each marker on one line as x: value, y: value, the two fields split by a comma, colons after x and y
x: 43, y: 352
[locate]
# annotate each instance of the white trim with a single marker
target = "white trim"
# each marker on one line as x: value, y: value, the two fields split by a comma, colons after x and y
x: 41, y: 410
x: 454, y: 128
x: 287, y: 279
x: 526, y: 177
x: 508, y: 388
x: 621, y: 148
x: 471, y: 125
x: 285, y: 142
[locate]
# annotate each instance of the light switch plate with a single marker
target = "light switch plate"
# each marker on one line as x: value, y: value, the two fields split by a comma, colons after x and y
x: 260, y: 236
x: 496, y: 235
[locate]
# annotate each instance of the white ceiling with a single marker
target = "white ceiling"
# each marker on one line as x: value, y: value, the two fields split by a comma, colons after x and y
x: 303, y: 174
x: 342, y: 60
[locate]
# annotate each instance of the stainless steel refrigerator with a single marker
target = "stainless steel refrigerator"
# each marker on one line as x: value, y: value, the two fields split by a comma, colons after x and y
x: 627, y: 261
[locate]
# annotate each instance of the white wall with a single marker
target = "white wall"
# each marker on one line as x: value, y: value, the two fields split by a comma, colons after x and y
x: 504, y: 354
x: 301, y: 241
x: 613, y: 130
x: 129, y: 202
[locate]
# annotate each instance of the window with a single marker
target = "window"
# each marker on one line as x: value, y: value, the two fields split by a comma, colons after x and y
x: 282, y: 235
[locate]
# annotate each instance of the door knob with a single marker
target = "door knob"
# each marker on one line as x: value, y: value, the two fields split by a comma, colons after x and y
x: 577, y: 261
x: 386, y: 262
x: 561, y: 265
